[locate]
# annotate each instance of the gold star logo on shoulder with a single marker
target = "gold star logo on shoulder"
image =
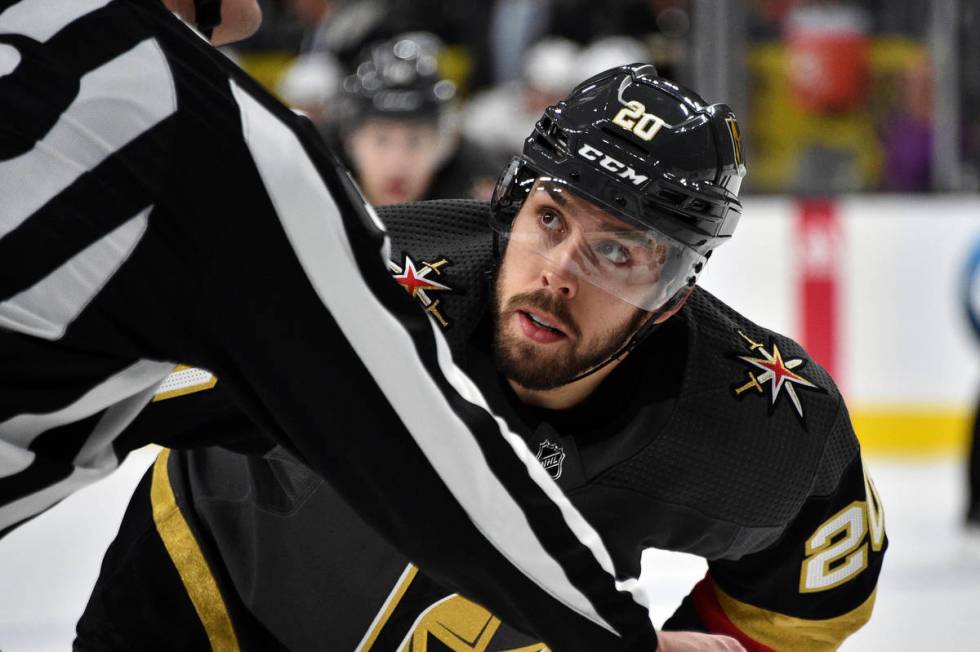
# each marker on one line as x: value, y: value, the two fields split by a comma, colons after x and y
x: 775, y: 371
x: 415, y: 278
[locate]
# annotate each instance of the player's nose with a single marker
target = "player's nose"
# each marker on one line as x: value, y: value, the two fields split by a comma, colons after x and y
x: 559, y: 274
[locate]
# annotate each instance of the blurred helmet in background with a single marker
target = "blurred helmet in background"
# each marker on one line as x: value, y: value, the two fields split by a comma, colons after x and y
x: 310, y: 85
x: 398, y: 79
x: 609, y: 52
x: 551, y: 66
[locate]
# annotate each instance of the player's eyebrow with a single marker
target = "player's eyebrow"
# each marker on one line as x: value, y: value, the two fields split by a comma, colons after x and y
x: 556, y: 195
x: 613, y: 228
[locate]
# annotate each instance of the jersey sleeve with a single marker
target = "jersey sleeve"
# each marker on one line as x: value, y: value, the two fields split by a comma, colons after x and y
x: 191, y: 409
x: 200, y: 221
x: 811, y: 589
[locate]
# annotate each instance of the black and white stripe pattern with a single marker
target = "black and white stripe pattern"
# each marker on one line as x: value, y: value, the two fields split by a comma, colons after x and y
x: 80, y: 192
x: 32, y: 479
x: 45, y: 181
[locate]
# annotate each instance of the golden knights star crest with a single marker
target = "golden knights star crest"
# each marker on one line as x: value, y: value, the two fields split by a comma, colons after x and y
x: 769, y: 367
x: 417, y: 279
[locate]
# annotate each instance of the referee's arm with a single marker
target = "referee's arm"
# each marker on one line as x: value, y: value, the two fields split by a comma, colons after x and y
x: 161, y: 206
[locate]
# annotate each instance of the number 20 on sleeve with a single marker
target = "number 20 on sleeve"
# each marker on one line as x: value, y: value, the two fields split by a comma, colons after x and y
x: 837, y: 551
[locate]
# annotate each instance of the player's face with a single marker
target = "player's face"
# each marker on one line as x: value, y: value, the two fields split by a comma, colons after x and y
x: 551, y: 325
x: 394, y: 160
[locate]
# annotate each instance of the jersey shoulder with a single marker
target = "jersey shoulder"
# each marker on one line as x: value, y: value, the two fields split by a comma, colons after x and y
x: 750, y: 360
x: 442, y: 253
x: 756, y: 429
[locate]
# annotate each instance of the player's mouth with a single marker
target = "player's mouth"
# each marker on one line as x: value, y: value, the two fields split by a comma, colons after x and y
x: 396, y: 187
x: 540, y: 327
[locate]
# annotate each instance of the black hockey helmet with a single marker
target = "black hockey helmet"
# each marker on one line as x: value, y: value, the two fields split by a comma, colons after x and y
x: 397, y: 79
x: 648, y: 151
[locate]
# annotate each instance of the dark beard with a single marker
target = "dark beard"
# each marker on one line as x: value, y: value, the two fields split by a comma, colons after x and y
x: 524, y: 364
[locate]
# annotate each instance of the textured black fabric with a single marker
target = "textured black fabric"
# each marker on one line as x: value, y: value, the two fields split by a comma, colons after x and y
x: 840, y: 451
x: 745, y: 465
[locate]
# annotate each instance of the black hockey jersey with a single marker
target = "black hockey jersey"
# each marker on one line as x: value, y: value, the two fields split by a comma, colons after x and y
x: 715, y: 437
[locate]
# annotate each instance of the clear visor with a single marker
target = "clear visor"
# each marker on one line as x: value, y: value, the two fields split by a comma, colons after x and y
x: 638, y: 265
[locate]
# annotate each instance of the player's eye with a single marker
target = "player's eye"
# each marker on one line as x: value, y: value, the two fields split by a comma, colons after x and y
x: 551, y: 221
x: 613, y: 251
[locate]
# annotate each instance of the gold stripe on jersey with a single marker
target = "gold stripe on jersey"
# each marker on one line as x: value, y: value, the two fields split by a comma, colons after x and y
x: 388, y: 607
x: 187, y: 556
x: 781, y: 632
x: 185, y: 380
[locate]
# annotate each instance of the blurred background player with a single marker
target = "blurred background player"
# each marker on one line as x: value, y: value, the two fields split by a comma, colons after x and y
x: 395, y: 124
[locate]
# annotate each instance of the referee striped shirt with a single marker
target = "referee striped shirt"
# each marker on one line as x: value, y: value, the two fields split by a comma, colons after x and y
x: 157, y: 206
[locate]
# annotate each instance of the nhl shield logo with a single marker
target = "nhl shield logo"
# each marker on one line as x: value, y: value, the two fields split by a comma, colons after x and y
x: 551, y: 456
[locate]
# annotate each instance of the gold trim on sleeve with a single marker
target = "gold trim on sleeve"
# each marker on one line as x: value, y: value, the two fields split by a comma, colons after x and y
x: 191, y: 565
x: 781, y: 632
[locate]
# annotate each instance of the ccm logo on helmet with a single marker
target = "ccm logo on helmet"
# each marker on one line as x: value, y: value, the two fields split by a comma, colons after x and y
x: 607, y: 162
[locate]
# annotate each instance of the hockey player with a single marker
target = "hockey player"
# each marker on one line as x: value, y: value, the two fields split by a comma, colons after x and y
x: 669, y: 419
x: 395, y: 124
x: 157, y: 206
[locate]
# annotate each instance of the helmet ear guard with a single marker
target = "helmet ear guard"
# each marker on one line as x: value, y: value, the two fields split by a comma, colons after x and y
x: 505, y: 203
x: 511, y: 191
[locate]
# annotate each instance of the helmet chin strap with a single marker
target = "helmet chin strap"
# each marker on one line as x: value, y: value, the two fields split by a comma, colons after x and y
x: 207, y: 16
x: 649, y: 326
x: 643, y: 332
